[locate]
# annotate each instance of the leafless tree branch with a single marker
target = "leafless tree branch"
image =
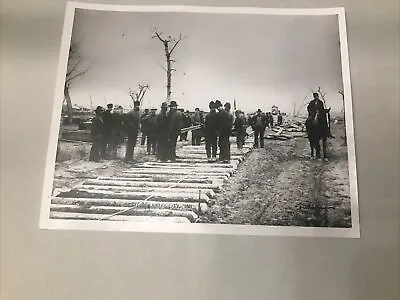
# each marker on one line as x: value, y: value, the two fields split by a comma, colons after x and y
x: 74, y: 67
x: 78, y: 74
x: 175, y: 44
x: 157, y: 34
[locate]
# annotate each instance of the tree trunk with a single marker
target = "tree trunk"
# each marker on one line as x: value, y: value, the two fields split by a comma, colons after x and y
x: 69, y: 103
x: 169, y: 78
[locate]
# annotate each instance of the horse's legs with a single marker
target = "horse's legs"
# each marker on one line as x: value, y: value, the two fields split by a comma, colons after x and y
x: 317, y: 148
x: 311, y: 145
x: 324, y: 146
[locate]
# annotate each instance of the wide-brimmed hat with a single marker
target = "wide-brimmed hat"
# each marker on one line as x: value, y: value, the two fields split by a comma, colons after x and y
x: 173, y: 104
x: 153, y: 109
x: 110, y: 105
x: 164, y: 105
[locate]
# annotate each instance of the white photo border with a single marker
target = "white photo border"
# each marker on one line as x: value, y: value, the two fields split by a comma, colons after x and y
x: 259, y: 230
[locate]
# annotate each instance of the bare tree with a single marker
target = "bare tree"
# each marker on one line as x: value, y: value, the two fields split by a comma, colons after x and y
x: 138, y: 95
x: 341, y: 92
x: 322, y: 95
x: 298, y: 106
x: 170, y: 45
x: 74, y: 70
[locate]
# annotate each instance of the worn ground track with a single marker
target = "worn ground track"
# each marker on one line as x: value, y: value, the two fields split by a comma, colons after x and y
x: 166, y: 192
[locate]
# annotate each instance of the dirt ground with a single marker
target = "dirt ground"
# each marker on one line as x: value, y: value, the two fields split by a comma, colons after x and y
x: 280, y: 185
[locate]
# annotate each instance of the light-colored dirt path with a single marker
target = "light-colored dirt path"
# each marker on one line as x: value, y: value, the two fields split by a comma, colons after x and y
x: 281, y: 185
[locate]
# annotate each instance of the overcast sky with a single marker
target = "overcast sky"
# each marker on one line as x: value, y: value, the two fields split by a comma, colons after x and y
x: 259, y: 60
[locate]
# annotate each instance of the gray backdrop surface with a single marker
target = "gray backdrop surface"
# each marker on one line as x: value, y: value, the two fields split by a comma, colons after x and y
x: 38, y: 264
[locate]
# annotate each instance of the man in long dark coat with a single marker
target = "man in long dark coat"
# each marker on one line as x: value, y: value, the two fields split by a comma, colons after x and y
x: 240, y: 128
x: 143, y: 126
x: 152, y: 132
x: 210, y: 132
x: 225, y: 123
x: 162, y: 133
x: 280, y: 119
x: 259, y: 123
x: 132, y: 130
x: 197, y: 119
x: 108, y: 128
x: 186, y: 122
x: 97, y: 135
x: 117, y: 131
x: 174, y: 129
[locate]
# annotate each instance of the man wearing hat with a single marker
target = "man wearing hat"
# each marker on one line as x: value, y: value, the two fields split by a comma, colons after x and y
x: 280, y: 118
x: 210, y: 132
x: 143, y: 125
x: 152, y: 132
x: 117, y: 134
x: 132, y: 130
x: 162, y: 133
x: 240, y: 128
x: 186, y: 122
x: 108, y: 127
x: 174, y: 129
x: 225, y: 123
x: 316, y: 105
x: 259, y: 123
x: 197, y: 119
x: 97, y: 135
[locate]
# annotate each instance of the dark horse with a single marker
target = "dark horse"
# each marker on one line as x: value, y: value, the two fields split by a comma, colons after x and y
x: 317, y: 130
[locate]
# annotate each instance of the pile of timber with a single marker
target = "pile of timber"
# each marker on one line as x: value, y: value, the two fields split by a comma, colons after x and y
x: 177, y: 192
x: 76, y: 135
x: 286, y: 132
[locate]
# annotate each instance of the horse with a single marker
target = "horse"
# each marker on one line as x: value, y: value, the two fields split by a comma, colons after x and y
x: 318, y: 130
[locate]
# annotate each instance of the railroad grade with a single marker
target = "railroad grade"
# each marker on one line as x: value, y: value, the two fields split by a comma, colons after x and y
x: 177, y: 192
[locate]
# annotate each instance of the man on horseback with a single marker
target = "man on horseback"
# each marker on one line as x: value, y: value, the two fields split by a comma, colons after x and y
x: 315, y: 105
x: 317, y: 125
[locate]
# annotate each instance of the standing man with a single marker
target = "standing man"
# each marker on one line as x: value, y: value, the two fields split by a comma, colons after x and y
x: 143, y: 124
x: 132, y: 130
x: 197, y: 119
x: 259, y: 122
x: 225, y: 123
x: 269, y: 120
x: 240, y: 129
x: 186, y: 122
x: 108, y: 128
x: 117, y: 131
x: 210, y: 132
x: 280, y: 119
x: 174, y: 129
x: 152, y: 132
x: 162, y: 133
x: 97, y: 135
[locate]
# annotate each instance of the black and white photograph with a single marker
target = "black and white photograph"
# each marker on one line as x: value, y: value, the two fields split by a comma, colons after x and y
x: 202, y: 120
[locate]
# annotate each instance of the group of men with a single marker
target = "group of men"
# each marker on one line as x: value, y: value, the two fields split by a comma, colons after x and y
x: 111, y: 127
